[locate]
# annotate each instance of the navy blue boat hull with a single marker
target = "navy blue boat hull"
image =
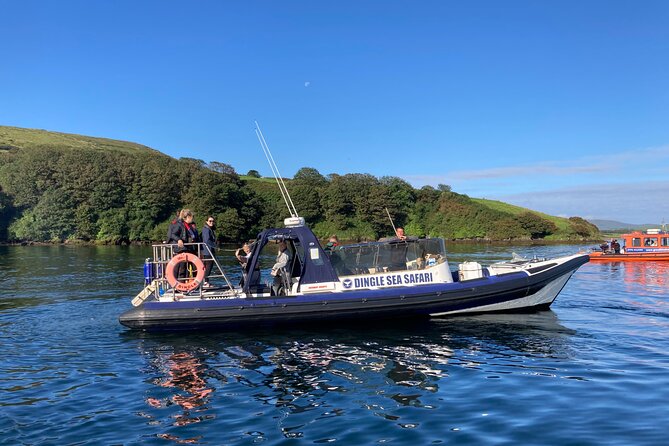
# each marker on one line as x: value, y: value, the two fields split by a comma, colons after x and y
x: 420, y: 301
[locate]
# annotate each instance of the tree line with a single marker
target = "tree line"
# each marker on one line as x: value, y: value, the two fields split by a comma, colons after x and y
x: 55, y: 194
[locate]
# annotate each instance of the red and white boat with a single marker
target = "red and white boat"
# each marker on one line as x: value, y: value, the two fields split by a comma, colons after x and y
x: 637, y: 246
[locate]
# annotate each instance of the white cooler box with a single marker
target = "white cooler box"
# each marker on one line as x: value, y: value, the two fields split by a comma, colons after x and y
x: 470, y: 270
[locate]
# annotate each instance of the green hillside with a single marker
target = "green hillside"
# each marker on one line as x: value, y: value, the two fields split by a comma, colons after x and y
x: 58, y: 187
x: 15, y: 137
x: 563, y: 224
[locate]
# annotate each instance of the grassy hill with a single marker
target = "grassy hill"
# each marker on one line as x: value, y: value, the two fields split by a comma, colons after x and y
x: 561, y: 222
x: 20, y: 138
x: 58, y: 186
x: 261, y: 180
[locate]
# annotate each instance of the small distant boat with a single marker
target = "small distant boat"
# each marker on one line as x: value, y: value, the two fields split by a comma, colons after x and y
x: 637, y: 246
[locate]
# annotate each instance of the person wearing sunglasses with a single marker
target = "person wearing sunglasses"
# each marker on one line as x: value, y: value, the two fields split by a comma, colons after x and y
x: 209, y: 239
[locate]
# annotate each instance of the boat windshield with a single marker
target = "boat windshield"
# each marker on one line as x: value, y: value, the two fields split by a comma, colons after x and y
x: 376, y: 257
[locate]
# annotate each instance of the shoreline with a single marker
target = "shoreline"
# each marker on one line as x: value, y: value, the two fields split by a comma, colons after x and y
x: 457, y: 242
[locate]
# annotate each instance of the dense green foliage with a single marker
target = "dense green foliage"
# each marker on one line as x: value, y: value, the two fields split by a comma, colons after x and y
x: 56, y: 187
x: 112, y: 194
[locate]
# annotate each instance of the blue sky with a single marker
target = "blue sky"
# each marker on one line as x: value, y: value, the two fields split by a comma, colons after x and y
x: 562, y: 107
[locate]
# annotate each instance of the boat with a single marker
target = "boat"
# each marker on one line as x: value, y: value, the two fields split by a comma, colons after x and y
x: 396, y: 278
x: 636, y: 246
x: 392, y: 279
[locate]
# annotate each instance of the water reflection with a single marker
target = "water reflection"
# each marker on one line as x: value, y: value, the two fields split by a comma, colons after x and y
x: 304, y: 375
x: 649, y: 274
x: 183, y: 380
x: 637, y: 279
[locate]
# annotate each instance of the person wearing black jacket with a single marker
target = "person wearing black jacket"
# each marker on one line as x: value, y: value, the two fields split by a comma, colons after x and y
x: 176, y: 233
x: 180, y: 232
x: 209, y: 239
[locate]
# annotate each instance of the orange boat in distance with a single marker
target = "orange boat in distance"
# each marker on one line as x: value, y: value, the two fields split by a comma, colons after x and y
x: 637, y: 246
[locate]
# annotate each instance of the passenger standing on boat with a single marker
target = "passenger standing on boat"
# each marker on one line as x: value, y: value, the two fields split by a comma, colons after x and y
x: 398, y: 251
x: 177, y: 235
x: 173, y: 226
x: 615, y: 246
x: 279, y: 268
x: 399, y: 236
x: 209, y: 239
x: 191, y: 231
x: 243, y: 255
x: 333, y: 242
x: 399, y: 232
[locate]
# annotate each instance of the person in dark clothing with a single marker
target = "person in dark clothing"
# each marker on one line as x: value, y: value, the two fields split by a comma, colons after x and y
x: 332, y: 244
x: 209, y: 239
x: 181, y: 232
x: 176, y: 234
x: 192, y: 235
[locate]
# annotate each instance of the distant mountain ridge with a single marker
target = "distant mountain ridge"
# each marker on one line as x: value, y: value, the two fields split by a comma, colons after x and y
x: 611, y: 225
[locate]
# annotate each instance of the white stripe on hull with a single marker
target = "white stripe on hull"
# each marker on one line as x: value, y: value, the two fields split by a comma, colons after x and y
x: 544, y: 296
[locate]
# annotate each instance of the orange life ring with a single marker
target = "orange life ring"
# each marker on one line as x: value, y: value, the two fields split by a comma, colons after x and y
x: 191, y: 283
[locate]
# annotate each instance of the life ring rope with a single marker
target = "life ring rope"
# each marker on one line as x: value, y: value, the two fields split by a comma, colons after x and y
x: 189, y: 284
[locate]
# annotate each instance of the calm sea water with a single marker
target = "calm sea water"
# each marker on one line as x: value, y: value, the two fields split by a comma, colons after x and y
x: 593, y: 370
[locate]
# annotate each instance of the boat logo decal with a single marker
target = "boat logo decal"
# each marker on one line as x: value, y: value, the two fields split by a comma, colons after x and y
x: 388, y: 280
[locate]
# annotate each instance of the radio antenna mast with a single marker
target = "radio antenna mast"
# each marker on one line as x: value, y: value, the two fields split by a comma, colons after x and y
x: 275, y: 171
x: 391, y: 221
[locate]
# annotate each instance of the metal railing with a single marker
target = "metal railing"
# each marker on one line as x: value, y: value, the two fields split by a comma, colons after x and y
x: 163, y: 253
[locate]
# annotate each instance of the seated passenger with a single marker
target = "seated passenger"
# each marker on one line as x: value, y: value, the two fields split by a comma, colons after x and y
x: 420, y: 263
x: 279, y: 270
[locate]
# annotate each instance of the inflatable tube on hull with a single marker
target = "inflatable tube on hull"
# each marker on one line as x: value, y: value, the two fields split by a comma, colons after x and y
x: 509, y: 292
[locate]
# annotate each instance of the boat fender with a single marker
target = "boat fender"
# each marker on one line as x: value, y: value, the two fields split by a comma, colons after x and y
x: 188, y: 285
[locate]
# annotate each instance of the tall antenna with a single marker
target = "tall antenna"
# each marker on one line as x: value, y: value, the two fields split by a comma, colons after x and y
x: 275, y: 172
x: 391, y: 221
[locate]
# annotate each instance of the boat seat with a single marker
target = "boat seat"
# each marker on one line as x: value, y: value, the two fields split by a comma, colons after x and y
x: 285, y: 286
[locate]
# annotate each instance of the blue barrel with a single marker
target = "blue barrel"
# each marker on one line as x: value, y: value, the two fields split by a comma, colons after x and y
x: 148, y: 272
